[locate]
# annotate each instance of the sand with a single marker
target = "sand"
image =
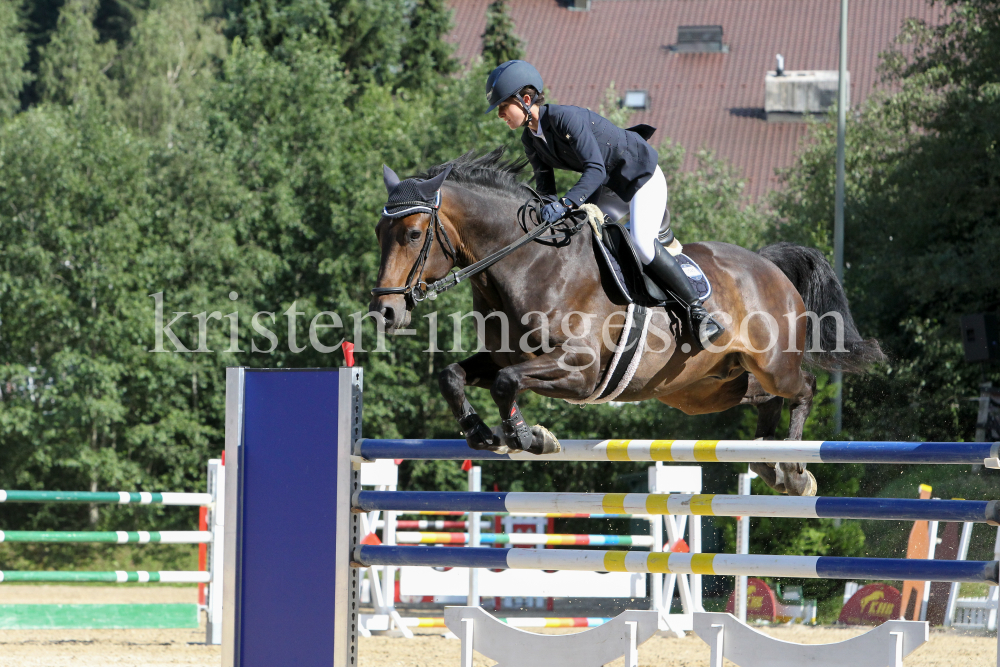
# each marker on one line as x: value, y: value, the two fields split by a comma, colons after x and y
x: 153, y: 648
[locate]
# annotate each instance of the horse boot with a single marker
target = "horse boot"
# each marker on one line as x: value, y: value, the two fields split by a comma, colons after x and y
x: 667, y: 272
x: 515, y: 432
x: 477, y: 434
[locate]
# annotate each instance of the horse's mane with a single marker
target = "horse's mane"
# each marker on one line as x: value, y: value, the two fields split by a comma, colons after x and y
x: 489, y: 170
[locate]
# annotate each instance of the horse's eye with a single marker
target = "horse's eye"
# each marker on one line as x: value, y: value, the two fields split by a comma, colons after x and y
x: 415, y: 234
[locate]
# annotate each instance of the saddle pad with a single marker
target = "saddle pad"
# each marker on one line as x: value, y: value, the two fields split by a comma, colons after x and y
x: 695, y: 276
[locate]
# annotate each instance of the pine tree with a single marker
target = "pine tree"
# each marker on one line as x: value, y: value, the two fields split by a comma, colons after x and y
x: 500, y: 44
x: 425, y: 56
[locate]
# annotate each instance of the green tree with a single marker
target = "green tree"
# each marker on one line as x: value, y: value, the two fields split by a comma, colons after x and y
x: 13, y: 58
x: 425, y: 56
x: 365, y: 35
x: 921, y: 214
x: 74, y: 65
x: 500, y: 43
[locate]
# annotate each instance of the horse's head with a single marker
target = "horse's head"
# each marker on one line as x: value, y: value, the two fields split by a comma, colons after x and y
x: 416, y: 249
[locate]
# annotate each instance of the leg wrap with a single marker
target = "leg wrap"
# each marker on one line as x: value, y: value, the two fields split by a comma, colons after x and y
x: 515, y: 431
x: 477, y: 434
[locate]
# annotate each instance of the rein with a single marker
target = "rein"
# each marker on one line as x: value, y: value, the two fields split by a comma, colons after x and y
x: 529, y: 211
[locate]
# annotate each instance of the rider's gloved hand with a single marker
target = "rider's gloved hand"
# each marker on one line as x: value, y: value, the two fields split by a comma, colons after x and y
x: 554, y: 211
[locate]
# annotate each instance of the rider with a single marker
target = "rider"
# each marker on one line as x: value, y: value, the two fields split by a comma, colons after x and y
x: 566, y: 137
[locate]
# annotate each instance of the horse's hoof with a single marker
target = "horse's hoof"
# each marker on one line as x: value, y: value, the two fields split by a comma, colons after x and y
x: 543, y: 442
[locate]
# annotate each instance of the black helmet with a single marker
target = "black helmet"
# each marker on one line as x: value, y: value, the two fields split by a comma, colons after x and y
x: 509, y: 78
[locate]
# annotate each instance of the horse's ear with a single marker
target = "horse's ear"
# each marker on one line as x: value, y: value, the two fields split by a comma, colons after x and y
x: 390, y: 177
x: 429, y: 187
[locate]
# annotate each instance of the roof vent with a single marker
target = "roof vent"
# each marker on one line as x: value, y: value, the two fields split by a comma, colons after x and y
x: 699, y: 39
x: 791, y: 96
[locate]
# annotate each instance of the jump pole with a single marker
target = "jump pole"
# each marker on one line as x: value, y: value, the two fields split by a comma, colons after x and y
x: 294, y: 447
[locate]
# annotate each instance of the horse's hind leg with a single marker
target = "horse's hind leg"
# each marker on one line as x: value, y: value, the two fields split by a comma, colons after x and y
x: 801, y: 405
x: 768, y: 416
x: 799, y: 481
x: 788, y: 380
x: 479, y: 370
x: 768, y: 409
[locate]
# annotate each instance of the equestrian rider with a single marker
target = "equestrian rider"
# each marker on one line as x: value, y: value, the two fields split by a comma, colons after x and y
x: 567, y: 137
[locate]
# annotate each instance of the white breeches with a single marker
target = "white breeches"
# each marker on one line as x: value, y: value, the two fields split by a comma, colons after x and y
x: 646, y: 213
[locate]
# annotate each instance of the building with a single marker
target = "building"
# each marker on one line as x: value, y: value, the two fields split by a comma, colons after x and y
x: 703, y: 89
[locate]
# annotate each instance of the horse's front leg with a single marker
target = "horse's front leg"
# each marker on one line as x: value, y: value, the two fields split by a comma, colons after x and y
x: 559, y: 374
x: 479, y: 370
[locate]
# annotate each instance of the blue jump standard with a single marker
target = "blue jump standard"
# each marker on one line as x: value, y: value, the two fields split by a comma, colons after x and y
x: 859, y: 451
x: 684, y: 504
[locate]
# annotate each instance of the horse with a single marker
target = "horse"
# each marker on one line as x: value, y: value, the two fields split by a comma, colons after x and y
x: 540, y: 294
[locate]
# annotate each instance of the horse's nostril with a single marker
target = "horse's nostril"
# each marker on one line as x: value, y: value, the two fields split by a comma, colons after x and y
x: 389, y: 313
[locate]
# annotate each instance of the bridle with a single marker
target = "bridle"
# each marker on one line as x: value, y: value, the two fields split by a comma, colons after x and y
x: 416, y: 290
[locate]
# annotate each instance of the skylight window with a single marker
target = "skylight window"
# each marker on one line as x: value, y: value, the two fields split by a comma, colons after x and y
x: 636, y: 99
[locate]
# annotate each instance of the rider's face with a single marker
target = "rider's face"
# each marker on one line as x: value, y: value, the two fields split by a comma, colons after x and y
x: 512, y: 113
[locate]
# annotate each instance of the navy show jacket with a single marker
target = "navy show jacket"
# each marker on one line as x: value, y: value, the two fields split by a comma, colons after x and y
x: 580, y: 140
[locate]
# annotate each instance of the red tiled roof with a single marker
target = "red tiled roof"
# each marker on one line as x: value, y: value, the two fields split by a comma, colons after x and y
x: 712, y: 101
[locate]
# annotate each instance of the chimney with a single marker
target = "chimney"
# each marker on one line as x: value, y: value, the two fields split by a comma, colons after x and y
x: 791, y: 96
x: 579, y: 5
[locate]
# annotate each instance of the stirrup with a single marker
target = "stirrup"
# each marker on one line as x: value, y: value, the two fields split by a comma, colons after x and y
x: 704, y: 327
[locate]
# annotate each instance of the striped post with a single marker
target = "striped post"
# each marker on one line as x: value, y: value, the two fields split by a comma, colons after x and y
x: 119, y: 497
x: 113, y: 536
x: 532, y: 539
x: 688, y: 504
x: 516, y: 621
x: 546, y: 515
x: 809, y: 567
x: 118, y: 577
x: 702, y: 451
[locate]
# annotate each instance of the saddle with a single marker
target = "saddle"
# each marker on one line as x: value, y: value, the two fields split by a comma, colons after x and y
x: 622, y: 275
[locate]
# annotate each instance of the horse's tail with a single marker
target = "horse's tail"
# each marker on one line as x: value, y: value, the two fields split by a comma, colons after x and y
x: 823, y: 294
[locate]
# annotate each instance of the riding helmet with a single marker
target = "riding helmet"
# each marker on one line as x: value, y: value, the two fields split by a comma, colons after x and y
x: 507, y: 79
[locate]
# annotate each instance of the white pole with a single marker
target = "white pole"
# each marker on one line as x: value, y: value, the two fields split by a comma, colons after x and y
x: 216, y: 515
x: 475, y: 485
x: 742, y: 547
x: 838, y: 215
x: 388, y: 572
x: 932, y: 530
x: 963, y: 553
x: 656, y: 530
x: 694, y: 529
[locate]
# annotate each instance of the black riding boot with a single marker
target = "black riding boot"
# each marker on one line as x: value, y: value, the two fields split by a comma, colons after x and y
x: 667, y: 272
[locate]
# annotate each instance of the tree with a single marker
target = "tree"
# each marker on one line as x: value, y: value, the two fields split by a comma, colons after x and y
x: 74, y: 64
x: 500, y: 44
x: 364, y: 35
x: 425, y: 56
x: 13, y: 58
x: 922, y: 211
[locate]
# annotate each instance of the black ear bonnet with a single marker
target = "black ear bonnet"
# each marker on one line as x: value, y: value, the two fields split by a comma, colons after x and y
x: 413, y: 195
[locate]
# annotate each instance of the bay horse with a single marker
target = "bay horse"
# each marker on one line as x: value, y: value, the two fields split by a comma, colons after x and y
x: 538, y: 286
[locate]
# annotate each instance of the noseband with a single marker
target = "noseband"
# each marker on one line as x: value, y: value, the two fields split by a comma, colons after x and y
x: 415, y: 288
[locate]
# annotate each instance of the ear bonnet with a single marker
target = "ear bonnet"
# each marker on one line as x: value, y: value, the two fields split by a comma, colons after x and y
x: 412, y: 195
